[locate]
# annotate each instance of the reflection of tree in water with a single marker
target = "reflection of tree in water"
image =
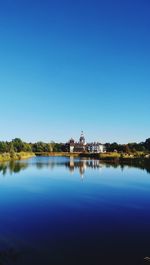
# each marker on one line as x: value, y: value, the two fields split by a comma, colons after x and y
x: 83, y: 164
x: 16, y: 167
x: 3, y: 168
x: 73, y: 164
x: 143, y: 164
x: 12, y: 167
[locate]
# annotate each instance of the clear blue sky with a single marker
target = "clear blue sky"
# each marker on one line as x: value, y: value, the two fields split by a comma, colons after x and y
x: 67, y: 66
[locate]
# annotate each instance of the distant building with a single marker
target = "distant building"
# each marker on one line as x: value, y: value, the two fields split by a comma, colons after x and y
x: 95, y: 148
x: 71, y: 145
x: 81, y: 146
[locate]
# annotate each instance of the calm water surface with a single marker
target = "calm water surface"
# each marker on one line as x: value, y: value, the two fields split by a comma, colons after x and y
x: 60, y: 210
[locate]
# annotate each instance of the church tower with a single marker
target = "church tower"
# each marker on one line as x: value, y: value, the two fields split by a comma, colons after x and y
x: 82, y: 139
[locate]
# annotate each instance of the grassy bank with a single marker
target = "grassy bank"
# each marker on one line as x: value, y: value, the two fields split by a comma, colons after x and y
x: 67, y: 154
x: 15, y: 156
x: 110, y: 156
x: 116, y: 156
x: 102, y: 156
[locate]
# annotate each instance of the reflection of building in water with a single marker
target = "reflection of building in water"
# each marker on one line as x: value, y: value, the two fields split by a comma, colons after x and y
x: 71, y: 164
x: 94, y: 164
x: 82, y: 165
x: 82, y: 168
x: 82, y: 146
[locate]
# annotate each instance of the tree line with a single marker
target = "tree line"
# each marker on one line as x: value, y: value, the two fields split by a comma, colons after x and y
x: 129, y: 148
x: 17, y: 145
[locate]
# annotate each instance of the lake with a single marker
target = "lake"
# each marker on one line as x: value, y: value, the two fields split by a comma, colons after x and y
x: 59, y: 210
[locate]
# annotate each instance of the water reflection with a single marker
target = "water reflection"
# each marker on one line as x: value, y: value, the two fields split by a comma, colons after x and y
x: 108, y: 216
x: 82, y: 165
x: 12, y: 167
x: 72, y: 164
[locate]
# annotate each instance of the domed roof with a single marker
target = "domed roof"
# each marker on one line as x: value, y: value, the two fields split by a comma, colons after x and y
x: 82, y: 138
x: 71, y: 140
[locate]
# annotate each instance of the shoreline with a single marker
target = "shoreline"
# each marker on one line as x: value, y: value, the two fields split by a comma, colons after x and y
x: 6, y: 157
x: 112, y: 159
x: 109, y: 156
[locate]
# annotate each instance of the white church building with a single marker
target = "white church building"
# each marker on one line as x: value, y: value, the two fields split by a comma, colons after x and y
x: 82, y: 146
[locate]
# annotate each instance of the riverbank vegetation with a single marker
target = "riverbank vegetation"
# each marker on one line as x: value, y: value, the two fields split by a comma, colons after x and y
x: 15, y: 156
x: 116, y: 156
x: 129, y: 148
x: 17, y: 145
x: 17, y: 149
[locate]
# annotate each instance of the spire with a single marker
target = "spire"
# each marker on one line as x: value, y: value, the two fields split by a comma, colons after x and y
x: 82, y: 139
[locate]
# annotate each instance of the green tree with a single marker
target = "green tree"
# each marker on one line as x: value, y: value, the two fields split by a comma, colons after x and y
x: 17, y: 144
